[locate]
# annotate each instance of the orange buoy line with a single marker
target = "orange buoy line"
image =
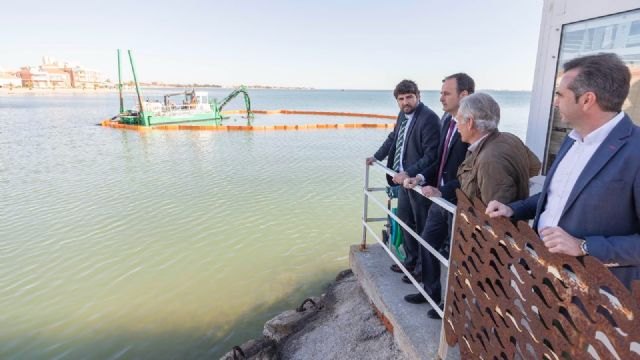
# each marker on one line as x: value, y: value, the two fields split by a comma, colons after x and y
x: 113, y: 124
x: 304, y: 112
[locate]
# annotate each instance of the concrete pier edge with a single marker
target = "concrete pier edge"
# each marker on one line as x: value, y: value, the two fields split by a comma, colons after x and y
x: 415, y: 333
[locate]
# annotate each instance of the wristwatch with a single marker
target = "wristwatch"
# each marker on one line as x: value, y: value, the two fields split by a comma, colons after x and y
x: 583, y: 247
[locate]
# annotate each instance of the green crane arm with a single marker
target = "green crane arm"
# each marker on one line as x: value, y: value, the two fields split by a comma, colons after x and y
x: 247, y: 103
x: 233, y: 94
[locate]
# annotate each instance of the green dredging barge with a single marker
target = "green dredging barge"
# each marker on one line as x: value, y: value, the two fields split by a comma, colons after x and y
x: 194, y: 107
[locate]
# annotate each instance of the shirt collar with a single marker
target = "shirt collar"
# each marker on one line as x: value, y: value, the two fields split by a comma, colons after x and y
x: 598, y: 135
x: 474, y: 146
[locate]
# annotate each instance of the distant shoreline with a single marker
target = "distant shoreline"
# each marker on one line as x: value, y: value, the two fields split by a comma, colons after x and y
x: 76, y: 91
x: 60, y: 91
x: 91, y: 91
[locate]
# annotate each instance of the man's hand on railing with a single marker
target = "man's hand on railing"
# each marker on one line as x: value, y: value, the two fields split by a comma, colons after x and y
x: 370, y: 160
x: 410, y: 183
x: 430, y: 191
x: 496, y: 208
x: 400, y: 177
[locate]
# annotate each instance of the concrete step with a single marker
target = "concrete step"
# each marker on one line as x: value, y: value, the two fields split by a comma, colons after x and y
x: 414, y: 332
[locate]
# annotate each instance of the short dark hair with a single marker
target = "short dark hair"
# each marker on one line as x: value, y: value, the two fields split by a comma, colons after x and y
x: 463, y: 82
x: 406, y: 87
x: 605, y: 75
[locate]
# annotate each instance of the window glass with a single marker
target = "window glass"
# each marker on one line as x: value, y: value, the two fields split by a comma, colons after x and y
x: 618, y: 33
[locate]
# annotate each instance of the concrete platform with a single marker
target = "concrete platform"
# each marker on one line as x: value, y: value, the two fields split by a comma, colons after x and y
x: 416, y: 334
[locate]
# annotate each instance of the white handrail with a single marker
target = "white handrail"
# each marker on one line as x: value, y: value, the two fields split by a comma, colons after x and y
x: 535, y: 184
x: 437, y: 200
x: 442, y: 346
x: 395, y: 217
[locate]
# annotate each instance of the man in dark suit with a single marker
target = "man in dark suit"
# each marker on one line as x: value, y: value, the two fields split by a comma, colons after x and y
x: 590, y: 200
x: 411, y: 147
x: 451, y: 153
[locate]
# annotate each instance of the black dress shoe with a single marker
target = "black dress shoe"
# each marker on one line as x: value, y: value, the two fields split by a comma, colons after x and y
x: 415, y: 299
x: 433, y: 314
x: 396, y: 268
x: 406, y: 280
x: 444, y: 251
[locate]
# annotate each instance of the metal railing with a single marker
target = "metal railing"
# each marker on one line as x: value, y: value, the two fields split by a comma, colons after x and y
x: 368, y: 192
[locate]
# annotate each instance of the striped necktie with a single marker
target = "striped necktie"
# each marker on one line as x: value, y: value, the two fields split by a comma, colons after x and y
x: 399, y: 143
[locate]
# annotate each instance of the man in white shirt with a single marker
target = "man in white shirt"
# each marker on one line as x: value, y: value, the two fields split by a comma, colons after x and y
x: 590, y: 202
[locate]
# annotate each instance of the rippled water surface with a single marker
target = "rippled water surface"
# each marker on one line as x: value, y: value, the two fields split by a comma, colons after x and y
x: 173, y: 245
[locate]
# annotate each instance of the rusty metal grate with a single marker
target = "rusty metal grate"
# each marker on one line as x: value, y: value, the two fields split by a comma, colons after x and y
x: 508, y: 297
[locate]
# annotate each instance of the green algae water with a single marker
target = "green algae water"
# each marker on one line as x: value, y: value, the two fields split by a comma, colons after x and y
x: 174, y: 245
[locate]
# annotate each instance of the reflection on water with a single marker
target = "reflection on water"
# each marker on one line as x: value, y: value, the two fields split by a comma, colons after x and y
x: 120, y: 244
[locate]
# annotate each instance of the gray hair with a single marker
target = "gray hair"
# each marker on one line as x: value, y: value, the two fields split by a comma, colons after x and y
x: 484, y: 110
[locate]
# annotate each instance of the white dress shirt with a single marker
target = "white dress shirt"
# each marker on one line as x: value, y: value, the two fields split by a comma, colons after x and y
x: 406, y: 129
x: 450, y: 135
x: 570, y: 168
x: 474, y: 146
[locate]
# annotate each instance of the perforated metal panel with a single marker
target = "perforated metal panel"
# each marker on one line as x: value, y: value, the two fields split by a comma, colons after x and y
x: 508, y: 297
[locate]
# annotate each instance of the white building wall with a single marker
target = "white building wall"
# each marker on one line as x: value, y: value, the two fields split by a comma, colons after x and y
x: 6, y: 81
x: 555, y: 14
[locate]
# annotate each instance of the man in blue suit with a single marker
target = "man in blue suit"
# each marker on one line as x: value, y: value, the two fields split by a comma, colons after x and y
x: 410, y: 148
x: 451, y: 153
x: 590, y: 201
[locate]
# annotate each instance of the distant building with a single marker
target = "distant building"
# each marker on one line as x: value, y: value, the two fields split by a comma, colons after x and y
x: 58, y: 78
x: 54, y: 74
x: 33, y: 77
x: 9, y: 79
x: 85, y: 78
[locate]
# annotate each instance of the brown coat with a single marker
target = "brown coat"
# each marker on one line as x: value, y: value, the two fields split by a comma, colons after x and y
x: 498, y: 169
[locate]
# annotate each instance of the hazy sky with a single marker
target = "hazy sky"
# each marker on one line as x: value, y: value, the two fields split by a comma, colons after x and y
x: 336, y: 44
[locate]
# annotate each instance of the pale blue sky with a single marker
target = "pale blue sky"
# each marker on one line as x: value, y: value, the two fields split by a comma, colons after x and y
x: 335, y: 44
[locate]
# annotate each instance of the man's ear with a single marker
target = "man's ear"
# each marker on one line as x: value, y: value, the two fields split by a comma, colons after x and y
x: 589, y: 99
x: 470, y: 122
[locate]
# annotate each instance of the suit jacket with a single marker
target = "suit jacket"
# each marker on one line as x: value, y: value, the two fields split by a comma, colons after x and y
x: 455, y: 157
x: 604, y: 205
x: 498, y: 169
x: 420, y: 143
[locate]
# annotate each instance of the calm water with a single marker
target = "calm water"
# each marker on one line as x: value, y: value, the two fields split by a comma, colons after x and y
x: 174, y: 245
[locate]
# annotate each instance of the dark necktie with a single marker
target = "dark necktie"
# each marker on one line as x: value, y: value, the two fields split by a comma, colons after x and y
x: 445, y: 149
x: 399, y: 144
